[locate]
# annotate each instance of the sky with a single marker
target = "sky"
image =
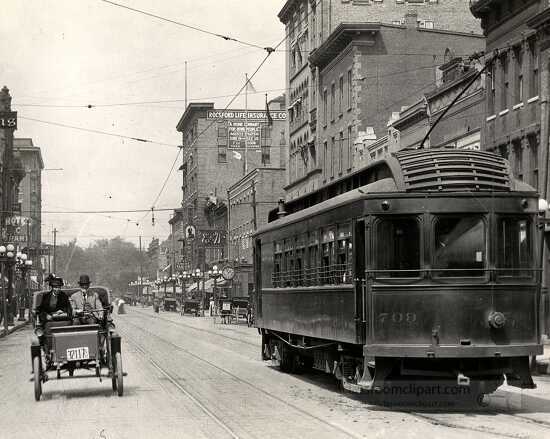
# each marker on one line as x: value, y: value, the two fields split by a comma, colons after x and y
x: 59, y: 56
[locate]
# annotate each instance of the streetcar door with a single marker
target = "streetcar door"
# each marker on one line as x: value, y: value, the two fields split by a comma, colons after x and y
x: 257, y: 299
x: 359, y: 266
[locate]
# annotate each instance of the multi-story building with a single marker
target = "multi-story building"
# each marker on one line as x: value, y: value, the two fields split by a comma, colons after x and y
x: 319, y: 30
x: 30, y: 188
x: 516, y: 119
x: 250, y: 201
x: 460, y: 126
x: 215, y: 156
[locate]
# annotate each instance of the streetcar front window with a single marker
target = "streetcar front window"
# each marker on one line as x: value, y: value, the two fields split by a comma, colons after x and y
x: 459, y: 246
x: 398, y: 247
x: 514, y: 247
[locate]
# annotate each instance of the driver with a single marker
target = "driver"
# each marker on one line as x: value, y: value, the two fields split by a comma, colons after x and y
x: 55, y: 302
x: 85, y: 300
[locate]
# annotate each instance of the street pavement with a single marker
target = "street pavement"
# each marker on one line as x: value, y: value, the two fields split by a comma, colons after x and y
x: 193, y: 377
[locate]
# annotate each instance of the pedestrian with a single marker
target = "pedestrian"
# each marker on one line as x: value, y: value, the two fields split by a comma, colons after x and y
x: 212, y: 306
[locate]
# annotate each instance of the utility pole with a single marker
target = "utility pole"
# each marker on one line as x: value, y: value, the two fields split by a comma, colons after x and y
x: 140, y: 271
x: 54, y: 245
x: 254, y: 217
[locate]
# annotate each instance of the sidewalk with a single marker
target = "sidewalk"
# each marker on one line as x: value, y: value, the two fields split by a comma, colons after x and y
x: 12, y: 328
x: 543, y: 361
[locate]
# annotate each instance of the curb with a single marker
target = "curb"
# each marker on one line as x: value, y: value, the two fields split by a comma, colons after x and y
x: 15, y: 328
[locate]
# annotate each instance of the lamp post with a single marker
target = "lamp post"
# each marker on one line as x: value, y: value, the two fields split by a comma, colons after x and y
x: 215, y: 274
x: 23, y: 265
x: 197, y: 275
x: 7, y: 257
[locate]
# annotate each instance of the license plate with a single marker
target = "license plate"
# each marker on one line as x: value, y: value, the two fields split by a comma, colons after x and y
x: 74, y: 354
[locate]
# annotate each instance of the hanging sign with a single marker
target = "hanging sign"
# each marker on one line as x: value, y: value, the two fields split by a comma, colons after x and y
x: 8, y: 120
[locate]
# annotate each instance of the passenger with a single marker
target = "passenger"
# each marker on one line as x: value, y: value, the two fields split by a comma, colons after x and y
x: 212, y: 306
x: 84, y: 300
x: 54, y: 303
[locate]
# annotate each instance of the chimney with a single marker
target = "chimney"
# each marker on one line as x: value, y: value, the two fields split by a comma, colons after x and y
x: 411, y: 19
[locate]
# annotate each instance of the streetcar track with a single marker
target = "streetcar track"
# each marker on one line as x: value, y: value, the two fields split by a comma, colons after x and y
x: 199, y: 329
x: 195, y: 400
x: 437, y: 421
x: 431, y: 419
x: 238, y: 379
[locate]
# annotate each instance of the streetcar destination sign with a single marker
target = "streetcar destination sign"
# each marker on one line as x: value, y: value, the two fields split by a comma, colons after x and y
x: 8, y: 120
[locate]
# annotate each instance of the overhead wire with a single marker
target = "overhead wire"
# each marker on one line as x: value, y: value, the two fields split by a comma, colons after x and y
x: 196, y: 28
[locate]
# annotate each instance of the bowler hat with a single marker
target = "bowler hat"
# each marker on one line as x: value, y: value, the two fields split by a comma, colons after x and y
x: 84, y: 279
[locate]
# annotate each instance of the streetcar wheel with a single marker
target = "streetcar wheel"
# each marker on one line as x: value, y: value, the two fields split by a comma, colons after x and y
x: 37, y: 378
x: 119, y: 374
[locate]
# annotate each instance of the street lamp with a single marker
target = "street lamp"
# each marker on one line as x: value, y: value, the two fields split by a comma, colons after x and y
x: 7, y: 257
x: 23, y: 265
x: 215, y: 274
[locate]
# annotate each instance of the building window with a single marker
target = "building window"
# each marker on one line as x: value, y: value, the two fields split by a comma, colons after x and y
x: 350, y: 151
x: 518, y: 159
x: 222, y: 154
x: 325, y: 158
x: 505, y: 82
x: 491, y: 94
x: 534, y: 79
x: 518, y: 92
x: 341, y: 153
x: 332, y: 97
x: 325, y: 114
x: 349, y: 88
x: 332, y: 154
x: 534, y: 160
x: 340, y: 94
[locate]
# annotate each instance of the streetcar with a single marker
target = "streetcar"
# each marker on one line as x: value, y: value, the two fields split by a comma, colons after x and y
x: 428, y: 269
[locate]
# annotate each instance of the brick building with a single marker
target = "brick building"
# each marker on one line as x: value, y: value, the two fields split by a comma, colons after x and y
x: 30, y: 188
x: 250, y: 200
x: 363, y: 70
x: 460, y: 127
x: 213, y: 160
x: 320, y: 30
x: 516, y: 119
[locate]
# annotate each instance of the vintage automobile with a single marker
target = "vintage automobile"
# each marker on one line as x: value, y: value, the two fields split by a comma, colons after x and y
x: 169, y: 304
x: 191, y: 306
x: 61, y: 346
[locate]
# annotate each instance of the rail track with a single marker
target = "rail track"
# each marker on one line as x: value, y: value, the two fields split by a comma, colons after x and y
x: 243, y: 383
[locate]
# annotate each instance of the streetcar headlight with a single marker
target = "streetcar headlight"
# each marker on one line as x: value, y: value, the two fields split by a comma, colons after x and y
x: 543, y: 205
x: 39, y: 332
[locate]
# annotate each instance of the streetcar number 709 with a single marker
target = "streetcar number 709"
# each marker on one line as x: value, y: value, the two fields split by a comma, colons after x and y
x: 397, y: 317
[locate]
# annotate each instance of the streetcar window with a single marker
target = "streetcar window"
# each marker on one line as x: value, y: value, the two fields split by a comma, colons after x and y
x: 327, y: 248
x: 398, y: 247
x: 313, y: 259
x: 343, y: 255
x: 299, y: 261
x: 289, y: 263
x: 514, y: 247
x: 277, y: 264
x: 459, y: 246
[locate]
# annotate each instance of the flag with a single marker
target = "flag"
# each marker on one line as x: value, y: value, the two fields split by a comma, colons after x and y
x: 237, y: 155
x: 249, y: 87
x: 267, y: 114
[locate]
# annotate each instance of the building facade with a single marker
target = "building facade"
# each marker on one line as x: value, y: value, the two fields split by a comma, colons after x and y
x: 250, y: 201
x: 29, y: 199
x: 314, y: 30
x: 215, y: 156
x: 516, y: 115
x: 460, y: 126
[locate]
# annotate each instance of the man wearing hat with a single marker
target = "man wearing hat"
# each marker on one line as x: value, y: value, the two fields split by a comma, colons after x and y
x: 84, y: 300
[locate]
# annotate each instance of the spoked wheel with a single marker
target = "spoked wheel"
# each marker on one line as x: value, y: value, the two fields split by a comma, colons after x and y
x: 119, y: 374
x: 37, y: 367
